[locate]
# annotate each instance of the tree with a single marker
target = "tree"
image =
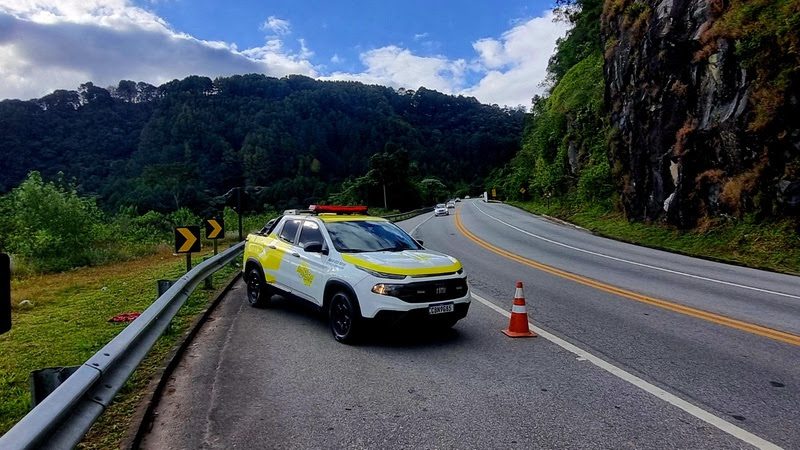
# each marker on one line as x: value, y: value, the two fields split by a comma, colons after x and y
x: 51, y: 226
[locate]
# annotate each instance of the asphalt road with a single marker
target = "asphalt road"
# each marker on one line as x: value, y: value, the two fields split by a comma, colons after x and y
x: 640, y: 375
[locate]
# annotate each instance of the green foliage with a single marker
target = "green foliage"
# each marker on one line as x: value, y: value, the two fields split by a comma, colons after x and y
x: 571, y: 118
x: 183, y: 217
x: 433, y: 191
x: 390, y: 172
x: 594, y: 182
x: 150, y: 227
x: 581, y: 41
x: 50, y: 225
x: 581, y: 88
x: 189, y: 141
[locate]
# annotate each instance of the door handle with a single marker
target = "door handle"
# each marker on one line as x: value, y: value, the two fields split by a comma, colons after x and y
x: 272, y: 246
x: 296, y: 254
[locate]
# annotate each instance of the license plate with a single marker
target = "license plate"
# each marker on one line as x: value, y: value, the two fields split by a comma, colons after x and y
x: 441, y: 308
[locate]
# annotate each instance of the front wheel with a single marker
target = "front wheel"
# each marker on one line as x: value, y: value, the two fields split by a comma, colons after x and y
x: 258, y: 293
x: 344, y: 318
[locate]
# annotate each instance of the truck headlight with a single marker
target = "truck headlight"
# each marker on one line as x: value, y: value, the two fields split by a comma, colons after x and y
x: 387, y: 289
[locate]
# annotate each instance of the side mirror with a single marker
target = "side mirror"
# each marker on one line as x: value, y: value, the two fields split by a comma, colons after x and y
x: 315, y: 247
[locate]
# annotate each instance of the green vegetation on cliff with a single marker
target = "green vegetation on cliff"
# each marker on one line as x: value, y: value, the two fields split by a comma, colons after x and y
x: 564, y: 145
x: 766, y: 36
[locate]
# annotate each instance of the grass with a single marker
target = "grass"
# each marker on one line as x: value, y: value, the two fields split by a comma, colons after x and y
x: 68, y: 322
x: 773, y: 246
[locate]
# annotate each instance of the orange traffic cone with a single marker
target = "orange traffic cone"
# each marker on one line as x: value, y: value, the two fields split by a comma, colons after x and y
x: 518, y: 325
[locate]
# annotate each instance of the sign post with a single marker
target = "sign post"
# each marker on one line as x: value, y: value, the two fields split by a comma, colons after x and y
x: 187, y: 240
x: 5, y: 293
x: 215, y: 230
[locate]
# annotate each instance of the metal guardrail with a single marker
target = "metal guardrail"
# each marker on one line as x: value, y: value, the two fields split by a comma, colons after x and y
x: 64, y: 417
x: 407, y: 215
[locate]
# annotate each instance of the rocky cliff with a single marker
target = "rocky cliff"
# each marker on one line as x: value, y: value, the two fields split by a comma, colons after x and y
x: 704, y: 107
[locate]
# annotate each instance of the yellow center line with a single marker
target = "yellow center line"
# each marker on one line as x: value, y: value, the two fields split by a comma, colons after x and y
x: 760, y: 330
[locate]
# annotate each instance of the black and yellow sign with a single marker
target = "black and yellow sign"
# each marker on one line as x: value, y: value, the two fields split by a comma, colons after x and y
x: 215, y: 228
x: 187, y: 239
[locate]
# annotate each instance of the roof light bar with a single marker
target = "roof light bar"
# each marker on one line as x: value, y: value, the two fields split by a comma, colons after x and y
x: 337, y: 209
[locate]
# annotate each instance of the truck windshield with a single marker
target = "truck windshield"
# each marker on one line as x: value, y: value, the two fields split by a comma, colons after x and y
x: 369, y: 236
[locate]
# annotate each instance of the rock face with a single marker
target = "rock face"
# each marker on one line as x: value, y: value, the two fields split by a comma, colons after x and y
x: 684, y: 147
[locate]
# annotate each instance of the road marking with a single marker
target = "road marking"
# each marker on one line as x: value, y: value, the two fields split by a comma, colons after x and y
x: 648, y: 266
x: 672, y: 399
x: 718, y: 319
x: 414, y: 230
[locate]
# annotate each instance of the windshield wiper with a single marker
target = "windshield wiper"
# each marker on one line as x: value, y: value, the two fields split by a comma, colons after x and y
x: 396, y: 248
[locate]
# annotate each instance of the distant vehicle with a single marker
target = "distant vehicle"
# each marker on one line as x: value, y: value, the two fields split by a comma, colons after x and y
x: 458, y: 199
x: 356, y: 268
x: 441, y: 210
x: 451, y: 204
x: 466, y: 197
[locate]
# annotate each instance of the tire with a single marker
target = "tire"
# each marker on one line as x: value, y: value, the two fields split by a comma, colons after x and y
x: 258, y: 293
x: 344, y: 318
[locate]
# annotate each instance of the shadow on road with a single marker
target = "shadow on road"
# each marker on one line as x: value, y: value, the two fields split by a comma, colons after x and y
x: 375, y: 335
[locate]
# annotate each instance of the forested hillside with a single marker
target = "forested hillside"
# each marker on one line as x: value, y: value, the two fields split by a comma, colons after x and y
x: 185, y: 142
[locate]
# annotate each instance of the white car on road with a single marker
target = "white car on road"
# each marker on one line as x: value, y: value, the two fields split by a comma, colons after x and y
x: 441, y: 210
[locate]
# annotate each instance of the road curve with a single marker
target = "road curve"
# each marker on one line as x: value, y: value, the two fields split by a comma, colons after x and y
x: 275, y: 378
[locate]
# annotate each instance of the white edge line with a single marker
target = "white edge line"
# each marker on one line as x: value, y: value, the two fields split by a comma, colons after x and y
x: 674, y: 272
x: 672, y: 399
x: 414, y: 230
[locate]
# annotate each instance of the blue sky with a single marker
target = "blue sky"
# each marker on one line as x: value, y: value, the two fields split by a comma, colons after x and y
x: 494, y: 50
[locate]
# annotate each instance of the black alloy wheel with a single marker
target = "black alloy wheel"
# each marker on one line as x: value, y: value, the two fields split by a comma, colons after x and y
x: 258, y: 294
x: 344, y: 318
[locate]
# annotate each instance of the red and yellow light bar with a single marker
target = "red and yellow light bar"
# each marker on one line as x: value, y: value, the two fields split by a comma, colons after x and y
x: 337, y: 209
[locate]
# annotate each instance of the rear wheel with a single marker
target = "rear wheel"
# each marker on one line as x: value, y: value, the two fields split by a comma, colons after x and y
x: 258, y: 293
x: 345, y: 319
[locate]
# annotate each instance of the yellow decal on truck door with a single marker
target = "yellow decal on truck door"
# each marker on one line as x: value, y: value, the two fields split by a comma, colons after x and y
x: 305, y: 274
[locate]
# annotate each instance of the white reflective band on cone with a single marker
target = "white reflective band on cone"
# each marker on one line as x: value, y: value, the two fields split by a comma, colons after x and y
x: 518, y: 293
x: 518, y: 309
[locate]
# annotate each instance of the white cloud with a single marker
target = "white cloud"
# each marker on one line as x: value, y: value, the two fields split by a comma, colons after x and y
x: 511, y: 68
x: 59, y: 44
x: 516, y: 64
x: 398, y: 67
x: 490, y: 52
x: 278, y: 26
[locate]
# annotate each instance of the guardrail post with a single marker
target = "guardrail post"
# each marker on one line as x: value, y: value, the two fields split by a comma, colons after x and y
x: 209, y: 281
x: 45, y: 381
x: 164, y: 285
